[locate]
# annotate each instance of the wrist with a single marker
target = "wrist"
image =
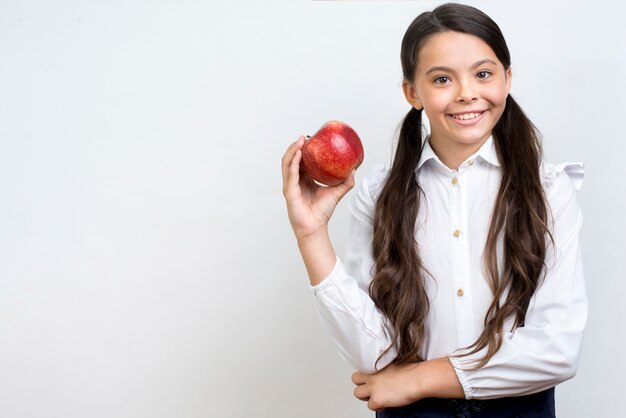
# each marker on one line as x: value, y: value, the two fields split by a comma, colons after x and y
x: 318, y: 255
x: 319, y: 236
x: 419, y: 387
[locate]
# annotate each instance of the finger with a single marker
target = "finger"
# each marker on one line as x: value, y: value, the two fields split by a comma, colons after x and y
x: 294, y: 170
x: 287, y: 159
x: 362, y: 392
x: 358, y: 378
x: 289, y: 154
x: 373, y: 405
x: 293, y: 184
x: 343, y: 188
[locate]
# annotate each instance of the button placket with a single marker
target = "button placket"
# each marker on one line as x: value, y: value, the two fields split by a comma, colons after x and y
x: 459, y: 259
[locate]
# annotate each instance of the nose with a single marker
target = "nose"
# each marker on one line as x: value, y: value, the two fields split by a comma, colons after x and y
x: 467, y: 92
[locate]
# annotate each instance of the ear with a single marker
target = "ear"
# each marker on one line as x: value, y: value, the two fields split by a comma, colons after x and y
x: 508, y: 79
x: 410, y: 94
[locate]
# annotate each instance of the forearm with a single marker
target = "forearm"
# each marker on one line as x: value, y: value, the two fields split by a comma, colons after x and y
x: 437, y: 379
x: 318, y: 255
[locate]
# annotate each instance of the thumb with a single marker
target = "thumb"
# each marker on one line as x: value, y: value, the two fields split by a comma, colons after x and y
x: 346, y: 186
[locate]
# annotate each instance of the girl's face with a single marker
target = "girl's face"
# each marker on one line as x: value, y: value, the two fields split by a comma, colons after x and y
x: 462, y: 88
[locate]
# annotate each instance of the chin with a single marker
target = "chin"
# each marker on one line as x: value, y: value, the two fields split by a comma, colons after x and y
x: 473, y: 139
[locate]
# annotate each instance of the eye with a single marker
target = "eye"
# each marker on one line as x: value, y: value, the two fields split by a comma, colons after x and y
x: 441, y: 79
x: 483, y: 74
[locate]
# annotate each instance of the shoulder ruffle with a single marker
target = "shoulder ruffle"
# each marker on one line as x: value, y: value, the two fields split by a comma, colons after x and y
x: 551, y: 172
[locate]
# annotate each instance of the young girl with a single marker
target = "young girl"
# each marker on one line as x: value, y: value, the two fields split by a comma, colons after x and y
x: 461, y: 292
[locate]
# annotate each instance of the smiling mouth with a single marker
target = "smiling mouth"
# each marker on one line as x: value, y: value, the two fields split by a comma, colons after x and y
x: 466, y: 116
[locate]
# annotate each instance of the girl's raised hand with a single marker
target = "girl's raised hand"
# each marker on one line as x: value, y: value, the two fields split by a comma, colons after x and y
x: 309, y: 205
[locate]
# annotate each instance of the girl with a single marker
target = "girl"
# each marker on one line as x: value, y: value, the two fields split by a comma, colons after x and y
x: 461, y: 292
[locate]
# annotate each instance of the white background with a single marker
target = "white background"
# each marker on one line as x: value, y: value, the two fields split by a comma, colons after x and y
x: 147, y: 267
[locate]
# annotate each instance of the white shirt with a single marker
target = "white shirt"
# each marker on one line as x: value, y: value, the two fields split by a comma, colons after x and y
x: 452, y: 226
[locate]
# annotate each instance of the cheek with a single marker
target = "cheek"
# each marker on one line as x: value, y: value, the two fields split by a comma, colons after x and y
x: 497, y: 96
x: 436, y: 104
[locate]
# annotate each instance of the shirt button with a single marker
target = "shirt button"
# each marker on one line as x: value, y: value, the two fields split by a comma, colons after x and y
x: 470, y: 163
x: 457, y: 233
x: 454, y: 180
x: 460, y: 292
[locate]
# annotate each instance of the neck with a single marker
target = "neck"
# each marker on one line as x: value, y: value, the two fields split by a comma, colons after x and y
x: 451, y: 153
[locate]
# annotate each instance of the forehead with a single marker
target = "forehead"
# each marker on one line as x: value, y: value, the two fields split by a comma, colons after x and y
x: 454, y: 50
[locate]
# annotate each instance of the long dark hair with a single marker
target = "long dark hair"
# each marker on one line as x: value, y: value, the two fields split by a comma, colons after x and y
x: 519, y: 214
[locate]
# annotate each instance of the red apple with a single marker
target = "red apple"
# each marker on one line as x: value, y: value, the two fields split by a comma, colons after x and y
x: 332, y: 153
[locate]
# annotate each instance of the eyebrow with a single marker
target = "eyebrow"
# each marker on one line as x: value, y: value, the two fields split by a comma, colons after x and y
x: 450, y: 70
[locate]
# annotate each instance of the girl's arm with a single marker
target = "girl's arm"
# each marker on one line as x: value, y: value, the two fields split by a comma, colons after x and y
x: 310, y: 207
x: 342, y: 301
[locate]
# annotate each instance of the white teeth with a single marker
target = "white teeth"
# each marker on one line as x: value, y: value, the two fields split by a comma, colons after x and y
x: 466, y: 116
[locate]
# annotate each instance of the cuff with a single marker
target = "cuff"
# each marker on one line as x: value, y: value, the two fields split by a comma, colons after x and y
x: 462, y: 375
x: 329, y: 280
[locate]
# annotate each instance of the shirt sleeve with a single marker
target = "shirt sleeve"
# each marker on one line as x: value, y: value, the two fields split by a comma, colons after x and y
x: 342, y: 299
x: 546, y: 350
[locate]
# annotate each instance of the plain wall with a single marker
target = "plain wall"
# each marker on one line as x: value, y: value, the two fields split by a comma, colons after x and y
x: 147, y: 267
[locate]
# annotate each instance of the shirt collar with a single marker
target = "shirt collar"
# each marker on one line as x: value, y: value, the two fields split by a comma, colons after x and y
x: 427, y: 153
x: 487, y: 152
